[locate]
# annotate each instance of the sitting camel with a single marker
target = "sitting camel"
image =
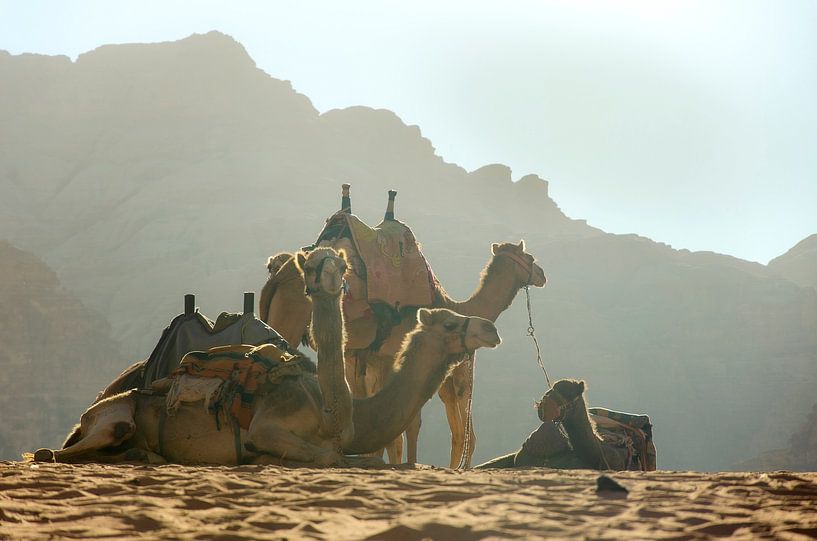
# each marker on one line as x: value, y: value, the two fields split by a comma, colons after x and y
x: 285, y: 308
x: 582, y: 447
x: 302, y: 418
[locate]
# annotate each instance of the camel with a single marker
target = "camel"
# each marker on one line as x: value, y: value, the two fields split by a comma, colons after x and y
x: 285, y: 308
x: 581, y: 448
x: 301, y: 419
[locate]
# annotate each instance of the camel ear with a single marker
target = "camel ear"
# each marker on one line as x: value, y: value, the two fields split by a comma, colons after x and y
x: 300, y: 259
x: 521, y: 245
x: 424, y: 316
x: 494, y: 248
x: 582, y: 385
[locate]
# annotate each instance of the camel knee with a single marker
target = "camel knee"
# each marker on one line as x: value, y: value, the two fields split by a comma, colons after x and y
x: 73, y: 437
x: 123, y: 430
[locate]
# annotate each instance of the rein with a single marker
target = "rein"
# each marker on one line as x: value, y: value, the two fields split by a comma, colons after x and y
x: 531, y: 330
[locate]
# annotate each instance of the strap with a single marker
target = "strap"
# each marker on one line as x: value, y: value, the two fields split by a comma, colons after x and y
x: 237, y: 440
x: 162, y: 421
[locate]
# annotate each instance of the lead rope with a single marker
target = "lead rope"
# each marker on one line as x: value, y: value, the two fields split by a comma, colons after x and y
x: 466, y: 444
x: 532, y: 334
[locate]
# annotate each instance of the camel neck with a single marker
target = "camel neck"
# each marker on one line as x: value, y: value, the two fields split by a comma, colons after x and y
x: 423, y: 364
x: 327, y: 326
x: 494, y: 294
x: 586, y: 443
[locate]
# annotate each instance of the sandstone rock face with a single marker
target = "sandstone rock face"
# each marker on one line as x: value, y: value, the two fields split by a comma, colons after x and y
x: 143, y: 172
x: 55, y: 354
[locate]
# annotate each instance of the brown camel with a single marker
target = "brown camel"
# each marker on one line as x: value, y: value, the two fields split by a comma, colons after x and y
x: 300, y: 419
x: 509, y: 269
x: 582, y: 448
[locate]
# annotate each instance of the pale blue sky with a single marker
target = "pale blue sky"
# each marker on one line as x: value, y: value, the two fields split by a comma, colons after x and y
x: 693, y: 123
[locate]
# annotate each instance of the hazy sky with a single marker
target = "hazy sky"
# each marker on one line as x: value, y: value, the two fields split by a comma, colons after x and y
x: 693, y: 123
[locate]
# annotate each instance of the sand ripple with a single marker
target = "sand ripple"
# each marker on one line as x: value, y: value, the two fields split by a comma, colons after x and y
x: 47, y: 501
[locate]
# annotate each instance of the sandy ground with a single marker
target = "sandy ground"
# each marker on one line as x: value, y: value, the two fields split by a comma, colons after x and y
x: 47, y: 501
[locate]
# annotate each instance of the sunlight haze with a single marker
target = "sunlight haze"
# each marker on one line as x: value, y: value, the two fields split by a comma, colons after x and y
x: 692, y: 123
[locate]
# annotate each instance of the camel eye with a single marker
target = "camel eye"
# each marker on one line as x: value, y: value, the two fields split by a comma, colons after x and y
x: 450, y: 325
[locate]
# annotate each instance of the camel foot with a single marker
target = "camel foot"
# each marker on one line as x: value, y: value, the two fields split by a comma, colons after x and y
x: 44, y: 455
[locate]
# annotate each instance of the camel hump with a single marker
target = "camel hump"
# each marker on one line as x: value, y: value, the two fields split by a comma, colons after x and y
x: 392, y: 269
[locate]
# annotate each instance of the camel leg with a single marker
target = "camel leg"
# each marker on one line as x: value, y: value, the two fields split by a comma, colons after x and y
x: 105, y: 424
x: 462, y: 404
x: 461, y: 391
x: 395, y: 450
x: 267, y: 438
x: 412, y: 436
x: 377, y: 370
x: 356, y: 373
x: 448, y: 395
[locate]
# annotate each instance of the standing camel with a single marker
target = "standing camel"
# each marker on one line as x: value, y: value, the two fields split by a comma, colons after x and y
x: 302, y: 418
x: 285, y: 308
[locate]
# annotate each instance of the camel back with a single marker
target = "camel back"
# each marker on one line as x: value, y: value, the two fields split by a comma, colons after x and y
x: 231, y: 376
x: 394, y: 270
x: 192, y: 332
x: 630, y: 430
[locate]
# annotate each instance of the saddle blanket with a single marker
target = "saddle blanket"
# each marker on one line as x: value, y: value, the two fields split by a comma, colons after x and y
x: 227, y: 377
x: 397, y: 272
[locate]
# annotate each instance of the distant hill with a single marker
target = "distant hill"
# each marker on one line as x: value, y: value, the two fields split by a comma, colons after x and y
x: 800, y: 263
x: 142, y: 172
x: 800, y: 455
x: 55, y: 354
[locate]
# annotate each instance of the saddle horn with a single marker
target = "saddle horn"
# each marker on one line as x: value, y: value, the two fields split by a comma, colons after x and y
x: 345, y: 199
x: 390, y: 206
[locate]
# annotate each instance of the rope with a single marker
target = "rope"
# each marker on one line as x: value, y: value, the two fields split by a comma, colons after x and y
x: 532, y: 334
x: 466, y: 444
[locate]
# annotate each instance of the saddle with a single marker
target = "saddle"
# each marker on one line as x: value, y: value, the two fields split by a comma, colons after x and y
x: 388, y: 271
x: 227, y: 377
x: 629, y: 430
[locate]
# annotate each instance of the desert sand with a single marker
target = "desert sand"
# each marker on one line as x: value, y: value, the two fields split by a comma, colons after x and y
x: 48, y: 501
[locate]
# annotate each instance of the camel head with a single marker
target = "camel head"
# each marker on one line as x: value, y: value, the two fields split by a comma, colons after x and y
x: 462, y: 334
x: 275, y: 262
x: 564, y: 394
x: 529, y: 273
x: 323, y: 269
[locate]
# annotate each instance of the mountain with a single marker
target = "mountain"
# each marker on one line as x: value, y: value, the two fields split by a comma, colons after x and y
x: 142, y: 172
x: 800, y: 263
x: 55, y: 355
x: 800, y: 455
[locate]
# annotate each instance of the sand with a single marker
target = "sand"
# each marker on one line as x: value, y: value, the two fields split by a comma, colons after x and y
x: 47, y: 501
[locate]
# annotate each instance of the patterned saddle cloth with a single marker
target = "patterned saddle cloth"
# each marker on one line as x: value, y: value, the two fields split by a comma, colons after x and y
x: 388, y: 265
x: 227, y: 377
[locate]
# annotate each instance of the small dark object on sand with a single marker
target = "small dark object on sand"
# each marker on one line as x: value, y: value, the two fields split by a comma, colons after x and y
x: 610, y: 488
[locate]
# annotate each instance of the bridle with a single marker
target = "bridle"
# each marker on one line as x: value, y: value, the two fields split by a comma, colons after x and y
x: 523, y: 264
x: 557, y: 401
x: 462, y: 335
x: 318, y: 271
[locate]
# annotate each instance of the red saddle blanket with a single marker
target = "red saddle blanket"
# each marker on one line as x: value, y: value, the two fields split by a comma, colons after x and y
x: 396, y: 271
